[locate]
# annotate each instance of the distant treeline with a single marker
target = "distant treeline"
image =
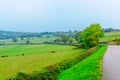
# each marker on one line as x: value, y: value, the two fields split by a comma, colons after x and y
x: 110, y: 29
x: 9, y: 34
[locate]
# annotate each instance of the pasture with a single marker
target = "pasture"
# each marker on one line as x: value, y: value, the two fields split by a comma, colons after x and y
x: 32, y: 40
x: 110, y: 36
x: 35, y: 57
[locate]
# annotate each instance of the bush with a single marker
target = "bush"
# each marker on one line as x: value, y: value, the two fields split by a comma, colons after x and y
x: 115, y: 41
x: 51, y: 72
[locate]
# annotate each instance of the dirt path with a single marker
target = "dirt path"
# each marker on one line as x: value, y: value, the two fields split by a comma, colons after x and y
x: 111, y: 63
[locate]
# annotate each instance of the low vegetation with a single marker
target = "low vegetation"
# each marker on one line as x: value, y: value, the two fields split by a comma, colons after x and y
x: 29, y: 58
x: 115, y: 41
x: 110, y: 36
x: 88, y: 69
x: 51, y: 72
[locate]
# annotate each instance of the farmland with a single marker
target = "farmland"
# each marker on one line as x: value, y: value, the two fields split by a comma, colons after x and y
x: 32, y: 40
x: 110, y: 36
x: 35, y: 57
x: 29, y: 58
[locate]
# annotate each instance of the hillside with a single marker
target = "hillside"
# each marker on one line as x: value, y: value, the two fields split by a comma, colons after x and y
x: 10, y: 34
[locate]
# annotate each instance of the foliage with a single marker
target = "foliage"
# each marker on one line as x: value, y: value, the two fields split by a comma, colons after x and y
x: 14, y: 39
x: 110, y: 30
x: 57, y: 40
x: 65, y: 38
x: 51, y: 72
x: 28, y: 41
x: 88, y: 69
x: 71, y: 40
x: 115, y: 41
x: 90, y: 36
x: 77, y: 35
x: 109, y: 36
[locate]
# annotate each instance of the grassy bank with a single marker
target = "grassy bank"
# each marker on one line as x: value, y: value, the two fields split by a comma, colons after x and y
x: 88, y: 69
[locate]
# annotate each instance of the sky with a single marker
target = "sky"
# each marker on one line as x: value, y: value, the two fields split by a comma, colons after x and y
x: 57, y: 15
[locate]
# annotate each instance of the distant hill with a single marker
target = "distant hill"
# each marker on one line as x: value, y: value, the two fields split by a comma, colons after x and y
x: 10, y: 34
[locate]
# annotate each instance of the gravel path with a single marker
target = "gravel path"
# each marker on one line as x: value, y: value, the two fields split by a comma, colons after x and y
x: 111, y: 63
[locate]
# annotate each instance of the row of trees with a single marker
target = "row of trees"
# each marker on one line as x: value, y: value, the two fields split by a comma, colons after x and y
x: 110, y: 30
x: 87, y: 38
x: 27, y: 40
x: 9, y: 34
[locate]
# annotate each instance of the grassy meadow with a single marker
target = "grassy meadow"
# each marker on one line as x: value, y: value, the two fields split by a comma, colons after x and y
x: 32, y: 40
x: 110, y: 36
x: 35, y: 57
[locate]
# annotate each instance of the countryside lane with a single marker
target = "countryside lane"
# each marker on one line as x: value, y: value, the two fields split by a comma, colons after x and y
x: 111, y: 63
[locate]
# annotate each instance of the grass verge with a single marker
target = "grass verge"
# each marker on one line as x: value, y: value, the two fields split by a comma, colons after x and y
x: 88, y: 69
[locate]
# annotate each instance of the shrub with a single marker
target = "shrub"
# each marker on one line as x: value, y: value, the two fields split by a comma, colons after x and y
x: 115, y: 41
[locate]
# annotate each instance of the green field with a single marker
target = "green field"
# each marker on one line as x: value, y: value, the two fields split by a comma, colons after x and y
x: 110, y: 36
x: 35, y: 58
x: 32, y: 40
x: 88, y: 69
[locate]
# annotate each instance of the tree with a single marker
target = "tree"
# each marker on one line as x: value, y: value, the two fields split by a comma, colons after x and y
x: 65, y: 38
x: 22, y: 38
x: 71, y: 40
x: 57, y: 40
x: 77, y: 35
x: 28, y: 41
x: 14, y: 39
x: 90, y: 36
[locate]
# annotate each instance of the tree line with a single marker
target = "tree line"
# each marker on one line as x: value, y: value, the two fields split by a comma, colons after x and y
x: 87, y: 38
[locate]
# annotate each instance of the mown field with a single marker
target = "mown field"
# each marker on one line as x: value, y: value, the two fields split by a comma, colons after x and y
x: 35, y: 57
x: 32, y: 40
x: 110, y: 36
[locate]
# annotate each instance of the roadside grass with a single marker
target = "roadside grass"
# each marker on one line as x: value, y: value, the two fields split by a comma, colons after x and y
x: 88, y: 69
x: 35, y: 58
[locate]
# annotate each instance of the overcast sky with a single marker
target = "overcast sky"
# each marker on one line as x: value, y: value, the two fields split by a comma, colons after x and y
x: 57, y: 15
